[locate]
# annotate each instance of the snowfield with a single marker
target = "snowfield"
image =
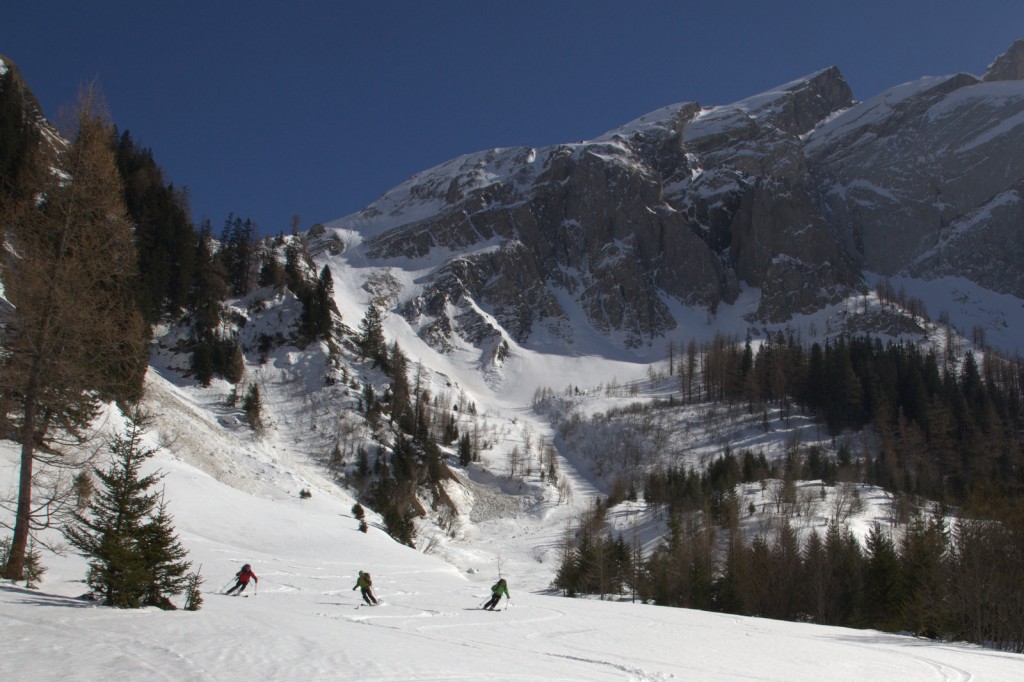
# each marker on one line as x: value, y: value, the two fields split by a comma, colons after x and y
x: 302, y: 621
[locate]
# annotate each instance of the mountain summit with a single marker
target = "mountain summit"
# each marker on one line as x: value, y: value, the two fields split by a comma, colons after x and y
x: 1008, y: 66
x: 795, y: 193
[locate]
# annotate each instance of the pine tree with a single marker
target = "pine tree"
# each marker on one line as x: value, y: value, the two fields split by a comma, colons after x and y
x: 317, y: 307
x: 922, y: 552
x: 238, y: 253
x: 20, y: 149
x: 135, y: 558
x: 883, y: 596
x: 401, y: 403
x: 816, y: 577
x: 209, y: 286
x: 34, y: 568
x: 164, y: 558
x: 233, y: 361
x: 74, y: 335
x: 271, y: 272
x: 193, y: 593
x: 203, y: 363
x: 164, y: 234
x: 465, y: 450
x: 253, y: 407
x: 371, y: 339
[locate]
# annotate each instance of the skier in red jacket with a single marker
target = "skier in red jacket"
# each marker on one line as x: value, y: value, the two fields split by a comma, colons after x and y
x: 243, y: 577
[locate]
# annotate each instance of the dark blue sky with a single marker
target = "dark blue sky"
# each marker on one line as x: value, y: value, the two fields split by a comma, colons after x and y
x: 270, y: 109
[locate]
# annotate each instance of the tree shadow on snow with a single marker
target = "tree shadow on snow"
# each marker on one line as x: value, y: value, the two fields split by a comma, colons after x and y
x: 37, y: 598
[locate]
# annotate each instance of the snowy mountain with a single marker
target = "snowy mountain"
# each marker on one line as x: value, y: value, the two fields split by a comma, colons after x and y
x: 501, y: 273
x: 799, y: 193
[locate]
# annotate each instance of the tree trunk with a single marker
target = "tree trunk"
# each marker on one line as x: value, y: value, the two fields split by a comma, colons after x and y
x: 15, y: 568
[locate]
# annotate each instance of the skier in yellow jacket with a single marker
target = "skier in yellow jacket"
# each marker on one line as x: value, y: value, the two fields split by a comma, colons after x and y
x: 365, y: 584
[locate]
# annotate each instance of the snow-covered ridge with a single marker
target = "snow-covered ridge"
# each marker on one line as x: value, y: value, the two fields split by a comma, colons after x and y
x: 663, y: 120
x: 431, y: 191
x: 879, y: 108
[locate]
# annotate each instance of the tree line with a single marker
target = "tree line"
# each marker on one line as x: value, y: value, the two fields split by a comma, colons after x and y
x: 957, y: 580
x: 947, y: 429
x: 946, y: 425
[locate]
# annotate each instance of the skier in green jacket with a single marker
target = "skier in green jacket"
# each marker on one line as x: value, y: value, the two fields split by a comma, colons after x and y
x: 497, y: 589
x: 364, y: 583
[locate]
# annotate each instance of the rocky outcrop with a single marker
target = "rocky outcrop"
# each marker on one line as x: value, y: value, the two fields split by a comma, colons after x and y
x: 759, y: 203
x: 591, y: 225
x: 782, y: 245
x: 1008, y: 66
x: 984, y: 246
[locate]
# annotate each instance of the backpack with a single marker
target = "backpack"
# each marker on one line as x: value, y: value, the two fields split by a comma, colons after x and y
x: 369, y: 582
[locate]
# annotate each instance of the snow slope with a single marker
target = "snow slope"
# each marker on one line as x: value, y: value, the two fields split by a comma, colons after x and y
x: 237, y: 501
x: 302, y: 622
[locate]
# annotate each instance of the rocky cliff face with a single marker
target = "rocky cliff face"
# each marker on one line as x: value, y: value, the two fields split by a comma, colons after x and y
x: 925, y: 179
x: 794, y: 191
x: 1008, y: 66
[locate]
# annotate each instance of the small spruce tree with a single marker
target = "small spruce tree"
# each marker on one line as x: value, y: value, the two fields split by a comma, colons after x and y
x: 253, y: 407
x: 371, y: 336
x: 465, y: 450
x: 135, y: 557
x: 82, y: 486
x: 34, y: 568
x: 193, y: 593
x: 164, y: 558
